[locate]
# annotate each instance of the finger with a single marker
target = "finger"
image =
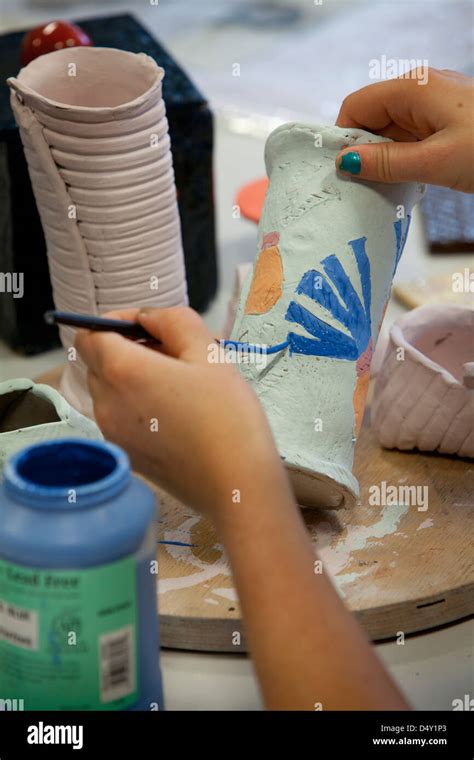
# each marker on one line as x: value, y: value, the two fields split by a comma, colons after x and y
x: 112, y: 357
x: 88, y: 348
x: 366, y: 108
x: 378, y: 105
x: 422, y: 161
x: 96, y: 348
x: 98, y: 390
x: 95, y: 384
x: 394, y: 132
x: 181, y: 330
x: 128, y: 314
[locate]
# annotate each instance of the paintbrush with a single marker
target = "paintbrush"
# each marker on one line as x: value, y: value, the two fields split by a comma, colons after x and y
x: 124, y: 327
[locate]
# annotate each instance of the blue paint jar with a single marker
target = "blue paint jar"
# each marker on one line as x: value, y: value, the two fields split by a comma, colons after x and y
x: 78, y: 597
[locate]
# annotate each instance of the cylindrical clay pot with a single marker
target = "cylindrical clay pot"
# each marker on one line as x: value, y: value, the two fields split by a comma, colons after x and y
x: 95, y: 135
x: 328, y: 249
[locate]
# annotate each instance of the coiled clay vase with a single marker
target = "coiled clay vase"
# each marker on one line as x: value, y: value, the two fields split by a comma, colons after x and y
x: 424, y: 393
x: 328, y: 249
x: 95, y: 135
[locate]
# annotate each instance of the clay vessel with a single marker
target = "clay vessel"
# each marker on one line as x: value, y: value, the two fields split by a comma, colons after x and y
x: 328, y: 249
x: 424, y: 394
x: 95, y: 134
x: 33, y: 413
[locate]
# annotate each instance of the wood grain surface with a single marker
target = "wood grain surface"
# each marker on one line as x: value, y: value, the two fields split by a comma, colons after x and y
x: 400, y: 567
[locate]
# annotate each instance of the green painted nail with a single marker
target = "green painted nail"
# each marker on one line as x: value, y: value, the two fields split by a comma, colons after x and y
x: 350, y: 162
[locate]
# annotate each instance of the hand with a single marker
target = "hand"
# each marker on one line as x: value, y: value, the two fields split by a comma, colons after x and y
x: 433, y: 123
x: 194, y: 426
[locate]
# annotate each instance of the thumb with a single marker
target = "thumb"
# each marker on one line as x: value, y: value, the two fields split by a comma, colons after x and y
x: 181, y: 330
x: 393, y: 162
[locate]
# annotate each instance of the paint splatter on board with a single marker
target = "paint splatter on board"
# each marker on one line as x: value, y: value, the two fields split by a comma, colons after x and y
x: 204, y: 571
x: 426, y: 524
x: 337, y: 556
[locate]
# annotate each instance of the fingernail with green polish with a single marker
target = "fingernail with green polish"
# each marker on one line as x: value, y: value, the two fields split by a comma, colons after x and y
x: 350, y: 162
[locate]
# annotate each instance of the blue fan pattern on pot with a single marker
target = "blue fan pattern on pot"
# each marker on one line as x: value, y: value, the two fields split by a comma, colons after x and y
x: 352, y: 313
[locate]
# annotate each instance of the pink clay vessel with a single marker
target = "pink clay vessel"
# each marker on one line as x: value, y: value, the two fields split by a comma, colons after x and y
x: 95, y: 134
x: 424, y: 393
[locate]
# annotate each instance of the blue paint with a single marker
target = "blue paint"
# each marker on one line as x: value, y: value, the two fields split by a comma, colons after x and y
x: 330, y: 341
x: 175, y: 543
x: 48, y: 471
x: 352, y: 313
x: 41, y: 469
x: 401, y: 239
x: 363, y: 265
x: 110, y: 519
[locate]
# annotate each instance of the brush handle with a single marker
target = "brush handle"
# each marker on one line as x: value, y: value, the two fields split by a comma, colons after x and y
x: 100, y: 324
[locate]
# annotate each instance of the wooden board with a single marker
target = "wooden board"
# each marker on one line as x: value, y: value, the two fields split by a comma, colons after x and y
x: 398, y: 568
x: 438, y: 289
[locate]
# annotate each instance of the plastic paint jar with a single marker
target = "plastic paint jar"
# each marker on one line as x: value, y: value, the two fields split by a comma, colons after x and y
x: 78, y: 597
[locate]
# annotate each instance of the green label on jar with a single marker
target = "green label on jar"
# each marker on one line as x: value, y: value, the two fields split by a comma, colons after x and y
x: 68, y: 638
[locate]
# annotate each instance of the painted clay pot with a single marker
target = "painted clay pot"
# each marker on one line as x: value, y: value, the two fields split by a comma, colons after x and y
x: 424, y: 394
x: 95, y: 135
x: 34, y: 413
x: 242, y: 271
x: 328, y: 249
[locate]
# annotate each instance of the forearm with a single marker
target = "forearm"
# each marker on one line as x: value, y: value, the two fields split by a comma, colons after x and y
x: 307, y: 648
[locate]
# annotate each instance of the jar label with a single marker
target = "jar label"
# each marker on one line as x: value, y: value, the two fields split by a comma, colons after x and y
x: 68, y: 638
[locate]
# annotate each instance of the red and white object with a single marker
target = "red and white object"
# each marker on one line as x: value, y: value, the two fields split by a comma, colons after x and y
x: 52, y: 36
x: 424, y: 394
x: 95, y: 134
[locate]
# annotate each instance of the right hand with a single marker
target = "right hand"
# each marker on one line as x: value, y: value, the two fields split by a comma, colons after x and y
x: 432, y: 122
x: 212, y: 434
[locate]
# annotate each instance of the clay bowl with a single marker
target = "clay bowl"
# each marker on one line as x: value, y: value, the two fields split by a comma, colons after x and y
x: 424, y: 394
x: 31, y: 413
